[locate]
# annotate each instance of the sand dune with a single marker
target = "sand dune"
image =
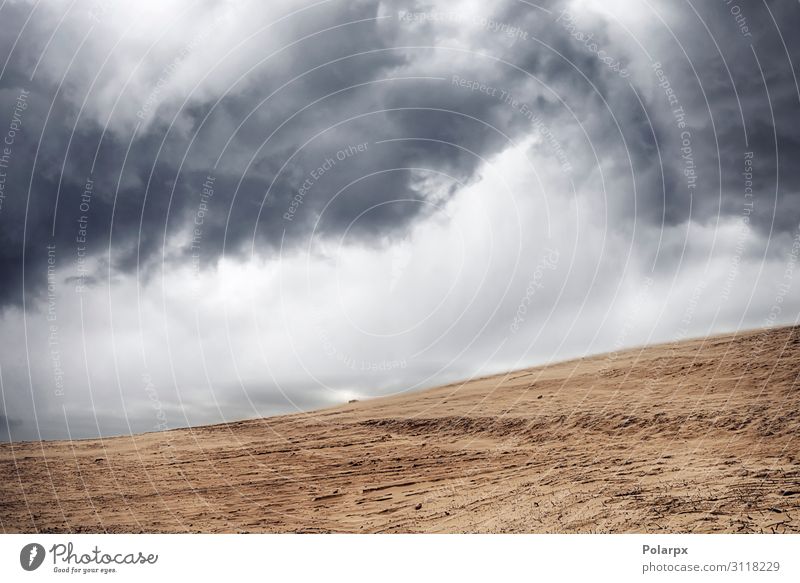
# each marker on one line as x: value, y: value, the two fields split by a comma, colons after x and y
x: 697, y: 436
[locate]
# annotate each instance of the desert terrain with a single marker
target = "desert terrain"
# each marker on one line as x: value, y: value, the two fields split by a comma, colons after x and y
x: 696, y: 436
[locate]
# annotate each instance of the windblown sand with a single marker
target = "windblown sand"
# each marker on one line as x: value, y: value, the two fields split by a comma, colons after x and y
x: 697, y: 436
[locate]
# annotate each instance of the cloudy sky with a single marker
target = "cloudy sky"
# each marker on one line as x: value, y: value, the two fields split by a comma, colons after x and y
x: 216, y: 210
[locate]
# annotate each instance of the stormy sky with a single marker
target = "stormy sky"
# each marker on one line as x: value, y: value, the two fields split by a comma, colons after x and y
x: 216, y: 210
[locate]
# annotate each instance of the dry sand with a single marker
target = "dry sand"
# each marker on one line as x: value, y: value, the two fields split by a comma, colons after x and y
x: 697, y: 436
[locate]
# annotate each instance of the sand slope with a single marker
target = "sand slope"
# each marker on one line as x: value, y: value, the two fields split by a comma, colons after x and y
x: 698, y: 436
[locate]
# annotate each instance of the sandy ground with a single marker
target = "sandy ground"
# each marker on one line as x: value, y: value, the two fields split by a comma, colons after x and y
x: 698, y: 436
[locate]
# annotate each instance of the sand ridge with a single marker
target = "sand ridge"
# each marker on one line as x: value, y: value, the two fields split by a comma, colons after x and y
x: 695, y: 436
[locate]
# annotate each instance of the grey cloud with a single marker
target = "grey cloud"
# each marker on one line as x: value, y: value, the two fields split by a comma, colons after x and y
x: 616, y: 131
x: 152, y: 187
x: 8, y: 427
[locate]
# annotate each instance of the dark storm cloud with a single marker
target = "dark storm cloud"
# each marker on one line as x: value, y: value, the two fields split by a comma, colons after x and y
x: 766, y: 123
x: 261, y: 122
